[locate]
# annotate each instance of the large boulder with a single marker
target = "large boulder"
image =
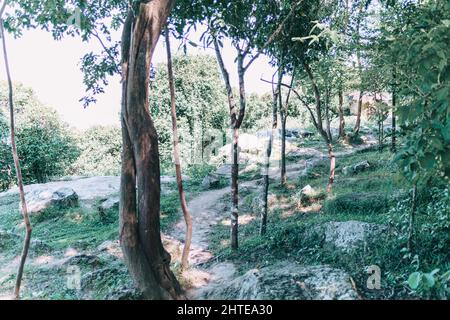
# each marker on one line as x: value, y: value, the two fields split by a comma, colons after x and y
x: 356, y: 168
x: 41, y: 200
x: 284, y: 281
x: 108, y: 206
x: 210, y: 181
x: 349, y: 236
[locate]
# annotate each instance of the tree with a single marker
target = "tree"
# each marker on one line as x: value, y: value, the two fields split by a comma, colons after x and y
x: 241, y: 22
x: 176, y: 156
x: 142, y: 21
x: 422, y: 97
x: 201, y: 106
x: 276, y: 92
x: 26, y: 218
x: 140, y: 235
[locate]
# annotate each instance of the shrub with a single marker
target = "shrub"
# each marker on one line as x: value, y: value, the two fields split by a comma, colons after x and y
x: 44, y: 142
x: 357, y: 202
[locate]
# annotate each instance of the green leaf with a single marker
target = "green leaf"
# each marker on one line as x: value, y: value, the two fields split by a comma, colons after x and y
x: 414, y: 280
x: 429, y: 280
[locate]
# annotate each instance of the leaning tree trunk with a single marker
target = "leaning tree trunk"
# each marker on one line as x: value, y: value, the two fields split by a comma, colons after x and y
x: 341, y: 115
x: 140, y: 236
x: 28, y: 230
x: 176, y: 157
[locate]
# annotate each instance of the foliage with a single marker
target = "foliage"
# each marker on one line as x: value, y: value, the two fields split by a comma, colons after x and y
x: 423, y: 81
x: 100, y: 152
x: 44, y: 141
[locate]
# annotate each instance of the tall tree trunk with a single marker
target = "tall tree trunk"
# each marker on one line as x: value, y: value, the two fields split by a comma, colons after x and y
x: 284, y: 112
x: 283, y: 119
x: 332, y: 157
x: 341, y: 115
x: 26, y: 219
x: 234, y: 189
x: 358, y: 58
x: 412, y: 217
x: 317, y: 121
x: 264, y: 212
x: 176, y: 157
x: 394, y: 129
x: 327, y: 115
x: 140, y: 235
x: 236, y: 117
x: 358, y: 114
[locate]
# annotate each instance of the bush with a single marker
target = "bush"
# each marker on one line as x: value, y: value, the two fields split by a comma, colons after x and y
x: 44, y: 142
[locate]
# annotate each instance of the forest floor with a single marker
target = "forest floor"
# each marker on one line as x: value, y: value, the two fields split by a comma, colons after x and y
x: 81, y: 237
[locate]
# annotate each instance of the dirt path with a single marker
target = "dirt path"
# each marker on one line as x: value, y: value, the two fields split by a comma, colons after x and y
x: 207, y: 210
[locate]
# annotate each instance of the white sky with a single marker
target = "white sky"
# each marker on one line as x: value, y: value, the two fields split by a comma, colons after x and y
x: 51, y: 68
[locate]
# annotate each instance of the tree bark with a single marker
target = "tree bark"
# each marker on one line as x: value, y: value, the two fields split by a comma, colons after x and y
x: 26, y: 219
x: 284, y: 112
x: 327, y: 115
x: 317, y: 121
x: 358, y: 114
x: 283, y: 119
x: 276, y: 93
x: 236, y: 120
x: 176, y: 157
x: 332, y: 157
x: 412, y: 217
x: 394, y: 129
x: 358, y: 58
x: 341, y: 115
x: 140, y: 237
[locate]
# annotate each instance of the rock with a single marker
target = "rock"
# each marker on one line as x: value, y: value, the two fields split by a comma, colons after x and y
x: 356, y: 168
x: 224, y: 170
x: 171, y: 179
x: 361, y: 166
x: 210, y: 181
x: 304, y: 194
x: 308, y: 190
x: 285, y: 281
x: 39, y: 246
x: 347, y: 170
x: 42, y: 200
x: 305, y: 133
x: 125, y: 294
x: 108, y: 205
x: 349, y: 236
x: 111, y: 247
x: 84, y: 259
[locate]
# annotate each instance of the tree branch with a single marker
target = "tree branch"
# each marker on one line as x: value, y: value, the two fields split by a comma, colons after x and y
x: 299, y: 97
x: 272, y: 37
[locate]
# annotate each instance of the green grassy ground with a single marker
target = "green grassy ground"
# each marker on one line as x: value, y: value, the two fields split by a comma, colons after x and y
x: 369, y: 196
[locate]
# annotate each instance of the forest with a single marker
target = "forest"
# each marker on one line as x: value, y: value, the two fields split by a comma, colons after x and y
x: 261, y: 150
